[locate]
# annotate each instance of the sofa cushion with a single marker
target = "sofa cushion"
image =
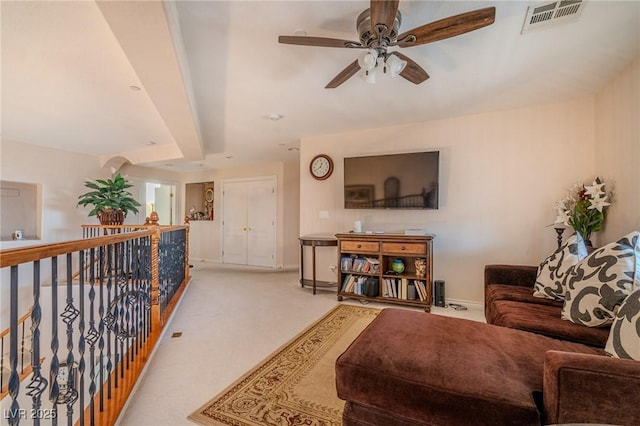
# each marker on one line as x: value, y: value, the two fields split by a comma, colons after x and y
x: 518, y: 294
x: 543, y: 319
x: 624, y: 337
x: 404, y: 362
x: 598, y: 284
x: 495, y: 292
x: 551, y: 272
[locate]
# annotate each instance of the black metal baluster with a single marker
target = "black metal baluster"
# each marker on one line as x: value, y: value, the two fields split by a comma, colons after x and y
x: 54, y: 390
x: 92, y: 335
x: 14, y: 379
x: 22, y: 347
x: 101, y: 325
x: 69, y: 315
x: 37, y: 384
x: 81, y: 338
x: 109, y: 317
x: 130, y: 305
x: 136, y: 263
x: 118, y: 308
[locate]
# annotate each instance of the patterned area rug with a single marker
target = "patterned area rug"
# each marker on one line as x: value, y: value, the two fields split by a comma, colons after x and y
x: 296, y: 384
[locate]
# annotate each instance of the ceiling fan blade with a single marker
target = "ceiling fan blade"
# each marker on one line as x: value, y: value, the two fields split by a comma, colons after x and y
x: 318, y: 41
x: 344, y: 75
x: 412, y: 72
x: 383, y: 13
x: 448, y: 27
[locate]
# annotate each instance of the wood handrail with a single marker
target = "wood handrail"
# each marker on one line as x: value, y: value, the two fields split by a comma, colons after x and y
x: 16, y: 256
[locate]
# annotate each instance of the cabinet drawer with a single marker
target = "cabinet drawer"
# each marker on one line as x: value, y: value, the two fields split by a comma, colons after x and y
x: 404, y: 248
x: 359, y: 246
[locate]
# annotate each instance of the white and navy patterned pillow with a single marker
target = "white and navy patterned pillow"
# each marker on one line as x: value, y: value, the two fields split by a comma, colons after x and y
x: 624, y: 337
x: 552, y: 271
x: 599, y: 284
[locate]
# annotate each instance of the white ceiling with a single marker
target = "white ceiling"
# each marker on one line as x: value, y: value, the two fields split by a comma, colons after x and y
x: 211, y: 72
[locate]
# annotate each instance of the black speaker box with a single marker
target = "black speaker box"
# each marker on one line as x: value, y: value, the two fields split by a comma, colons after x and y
x: 438, y: 293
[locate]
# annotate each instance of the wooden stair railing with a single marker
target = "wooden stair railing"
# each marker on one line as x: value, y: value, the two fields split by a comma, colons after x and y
x: 96, y: 328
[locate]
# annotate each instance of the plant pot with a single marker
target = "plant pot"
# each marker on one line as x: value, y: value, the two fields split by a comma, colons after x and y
x: 111, y: 217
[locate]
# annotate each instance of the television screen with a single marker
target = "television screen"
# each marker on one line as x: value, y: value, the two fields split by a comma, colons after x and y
x: 395, y: 181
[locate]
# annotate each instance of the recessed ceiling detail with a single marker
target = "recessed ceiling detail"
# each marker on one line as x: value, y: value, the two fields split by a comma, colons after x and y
x: 552, y: 13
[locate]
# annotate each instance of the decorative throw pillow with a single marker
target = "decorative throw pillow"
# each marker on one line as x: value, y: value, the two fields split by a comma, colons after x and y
x: 624, y: 337
x: 599, y: 284
x: 552, y: 271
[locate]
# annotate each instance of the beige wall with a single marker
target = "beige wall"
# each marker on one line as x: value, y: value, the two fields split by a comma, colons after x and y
x: 618, y: 150
x: 500, y: 176
x: 62, y: 175
x: 287, y: 226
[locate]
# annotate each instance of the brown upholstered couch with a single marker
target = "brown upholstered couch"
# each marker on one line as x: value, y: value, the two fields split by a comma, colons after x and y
x: 415, y: 368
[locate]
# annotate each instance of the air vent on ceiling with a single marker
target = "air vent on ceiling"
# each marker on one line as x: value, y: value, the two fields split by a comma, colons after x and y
x: 552, y: 13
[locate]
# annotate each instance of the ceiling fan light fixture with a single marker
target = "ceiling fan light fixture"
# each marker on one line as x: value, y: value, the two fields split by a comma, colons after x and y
x: 369, y: 76
x: 395, y: 65
x: 368, y: 60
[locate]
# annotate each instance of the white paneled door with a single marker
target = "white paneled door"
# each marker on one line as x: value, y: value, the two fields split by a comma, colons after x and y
x: 249, y: 222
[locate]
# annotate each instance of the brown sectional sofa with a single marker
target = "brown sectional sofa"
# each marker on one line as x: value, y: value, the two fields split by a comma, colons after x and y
x: 415, y: 368
x: 509, y: 302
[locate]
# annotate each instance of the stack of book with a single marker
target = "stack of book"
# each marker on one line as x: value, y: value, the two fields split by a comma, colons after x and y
x: 359, y: 264
x: 405, y: 289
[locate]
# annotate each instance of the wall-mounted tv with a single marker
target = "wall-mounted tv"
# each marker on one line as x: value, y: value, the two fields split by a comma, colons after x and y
x: 395, y: 181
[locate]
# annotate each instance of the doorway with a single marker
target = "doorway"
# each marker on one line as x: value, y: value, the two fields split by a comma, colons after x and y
x: 161, y: 198
x: 249, y: 208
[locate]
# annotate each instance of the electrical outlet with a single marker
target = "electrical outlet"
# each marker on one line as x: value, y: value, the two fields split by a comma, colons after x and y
x: 324, y: 214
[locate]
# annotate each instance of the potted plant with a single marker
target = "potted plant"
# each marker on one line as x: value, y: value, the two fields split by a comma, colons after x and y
x: 110, y: 199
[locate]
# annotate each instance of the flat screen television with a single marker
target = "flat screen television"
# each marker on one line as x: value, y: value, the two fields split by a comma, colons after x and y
x: 395, y: 181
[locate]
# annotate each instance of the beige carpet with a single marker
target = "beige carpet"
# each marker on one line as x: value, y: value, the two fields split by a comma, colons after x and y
x: 296, y: 384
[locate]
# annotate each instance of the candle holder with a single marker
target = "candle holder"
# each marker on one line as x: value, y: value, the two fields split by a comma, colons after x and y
x: 559, y: 232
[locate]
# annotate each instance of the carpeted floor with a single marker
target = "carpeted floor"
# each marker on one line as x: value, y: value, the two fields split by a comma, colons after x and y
x: 296, y: 384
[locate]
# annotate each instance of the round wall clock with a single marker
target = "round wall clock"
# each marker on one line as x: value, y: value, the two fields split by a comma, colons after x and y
x: 321, y: 167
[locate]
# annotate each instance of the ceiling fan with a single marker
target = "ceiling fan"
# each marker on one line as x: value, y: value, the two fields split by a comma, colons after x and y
x: 378, y: 28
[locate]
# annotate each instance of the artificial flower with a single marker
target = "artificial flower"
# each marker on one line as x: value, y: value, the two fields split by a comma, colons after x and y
x: 583, y: 208
x: 595, y: 190
x: 599, y: 203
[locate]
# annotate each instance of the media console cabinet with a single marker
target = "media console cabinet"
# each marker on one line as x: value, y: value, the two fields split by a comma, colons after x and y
x: 362, y: 256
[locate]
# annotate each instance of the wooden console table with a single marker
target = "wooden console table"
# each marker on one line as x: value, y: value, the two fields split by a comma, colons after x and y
x: 315, y: 240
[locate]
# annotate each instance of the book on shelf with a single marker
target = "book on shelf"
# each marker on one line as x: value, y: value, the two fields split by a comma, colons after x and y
x: 358, y: 264
x: 419, y: 292
x: 353, y: 284
x: 385, y: 288
x: 403, y: 288
x: 393, y: 287
x: 412, y: 291
x: 372, y: 265
x: 346, y: 263
x: 422, y: 290
x: 347, y: 283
